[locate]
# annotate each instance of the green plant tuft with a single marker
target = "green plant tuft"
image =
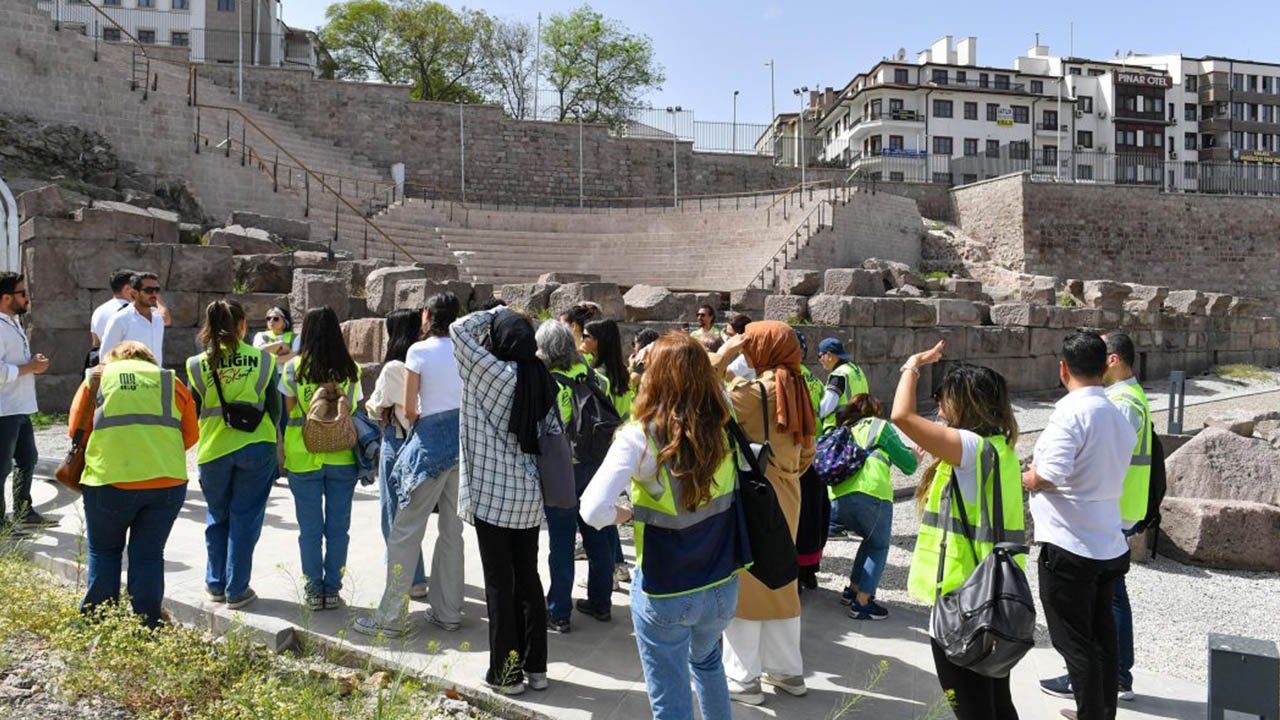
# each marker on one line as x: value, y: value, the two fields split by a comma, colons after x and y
x: 1066, y: 300
x: 1243, y: 372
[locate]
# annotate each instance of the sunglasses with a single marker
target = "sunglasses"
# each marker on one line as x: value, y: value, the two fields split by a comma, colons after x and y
x: 151, y: 290
x: 274, y: 318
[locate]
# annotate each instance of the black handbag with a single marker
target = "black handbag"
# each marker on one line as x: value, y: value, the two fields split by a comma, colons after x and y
x: 773, y: 550
x: 555, y: 466
x: 988, y: 623
x: 237, y: 415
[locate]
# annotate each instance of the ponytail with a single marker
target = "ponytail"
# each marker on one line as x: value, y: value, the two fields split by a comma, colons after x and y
x: 221, y: 332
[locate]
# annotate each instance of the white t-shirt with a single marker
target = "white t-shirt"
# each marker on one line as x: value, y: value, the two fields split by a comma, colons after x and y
x: 1085, y: 451
x: 263, y: 339
x: 128, y: 324
x: 740, y: 368
x: 439, y: 384
x: 103, y: 313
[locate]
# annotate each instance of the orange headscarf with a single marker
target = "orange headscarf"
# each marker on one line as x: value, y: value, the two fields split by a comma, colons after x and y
x: 772, y: 345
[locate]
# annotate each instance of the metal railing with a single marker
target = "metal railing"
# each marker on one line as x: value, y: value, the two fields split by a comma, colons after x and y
x: 797, y: 240
x: 89, y: 18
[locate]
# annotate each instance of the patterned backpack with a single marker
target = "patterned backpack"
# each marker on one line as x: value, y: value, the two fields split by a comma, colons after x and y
x: 839, y: 456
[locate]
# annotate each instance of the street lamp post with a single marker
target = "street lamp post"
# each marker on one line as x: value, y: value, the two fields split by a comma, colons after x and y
x: 675, y: 175
x: 462, y: 152
x: 577, y: 113
x: 773, y: 101
x: 800, y: 93
x: 735, y: 121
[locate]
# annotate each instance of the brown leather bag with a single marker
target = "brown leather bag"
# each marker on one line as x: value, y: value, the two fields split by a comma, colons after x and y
x: 71, y: 469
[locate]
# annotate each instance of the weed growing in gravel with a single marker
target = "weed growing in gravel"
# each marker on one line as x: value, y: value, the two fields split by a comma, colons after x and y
x: 1243, y: 372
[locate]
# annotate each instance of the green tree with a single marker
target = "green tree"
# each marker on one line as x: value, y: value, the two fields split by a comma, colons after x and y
x: 359, y: 36
x: 508, y: 66
x: 443, y: 50
x: 598, y: 65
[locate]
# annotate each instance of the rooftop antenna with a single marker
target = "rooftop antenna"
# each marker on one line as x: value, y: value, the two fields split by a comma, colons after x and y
x: 901, y: 54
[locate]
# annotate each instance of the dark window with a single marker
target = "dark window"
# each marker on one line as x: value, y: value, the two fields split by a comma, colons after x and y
x: 1084, y: 172
x: 895, y: 142
x: 970, y: 147
x: 181, y: 4
x: 1049, y: 155
x: 1189, y: 141
x: 1073, y: 71
x: 111, y: 34
x: 1155, y: 104
x: 1094, y: 72
x: 1020, y: 150
x: 875, y: 109
x: 970, y: 178
x: 961, y: 77
x: 1154, y: 139
x: 983, y: 80
x: 1021, y: 114
x: 1237, y: 81
x: 1002, y: 82
x: 897, y: 176
x: 942, y: 178
x: 939, y: 77
x: 895, y: 105
x: 971, y: 111
x: 147, y: 37
x: 1084, y: 138
x: 116, y: 3
x: 942, y: 146
x: 1189, y: 113
x: 1051, y: 119
x: 1085, y: 103
x: 993, y: 148
x: 226, y: 5
x: 1037, y: 86
x: 1189, y: 171
x: 901, y: 76
x: 942, y: 108
x: 1126, y: 137
x: 993, y: 112
x: 146, y: 3
x: 179, y: 39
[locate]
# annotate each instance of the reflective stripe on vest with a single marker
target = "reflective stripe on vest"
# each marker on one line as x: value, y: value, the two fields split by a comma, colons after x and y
x: 217, y: 439
x: 1137, y: 479
x: 871, y: 479
x: 168, y: 419
x: 137, y: 433
x: 681, y: 551
x: 855, y: 383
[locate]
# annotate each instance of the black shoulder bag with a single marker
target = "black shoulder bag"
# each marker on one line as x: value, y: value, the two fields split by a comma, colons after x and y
x: 237, y: 415
x: 773, y: 551
x: 988, y: 623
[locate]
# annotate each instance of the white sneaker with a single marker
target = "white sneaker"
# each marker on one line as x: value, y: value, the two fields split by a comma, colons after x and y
x: 746, y: 693
x: 419, y: 591
x: 537, y: 681
x: 790, y: 684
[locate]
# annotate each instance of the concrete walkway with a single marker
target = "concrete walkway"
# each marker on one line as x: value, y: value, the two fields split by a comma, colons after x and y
x: 595, y: 670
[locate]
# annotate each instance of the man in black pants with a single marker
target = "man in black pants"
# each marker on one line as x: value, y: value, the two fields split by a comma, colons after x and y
x: 1075, y: 482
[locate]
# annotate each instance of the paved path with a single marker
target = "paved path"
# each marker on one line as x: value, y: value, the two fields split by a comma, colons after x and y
x: 595, y: 671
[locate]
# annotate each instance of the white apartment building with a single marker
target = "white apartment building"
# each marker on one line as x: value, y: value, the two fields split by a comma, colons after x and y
x: 217, y: 31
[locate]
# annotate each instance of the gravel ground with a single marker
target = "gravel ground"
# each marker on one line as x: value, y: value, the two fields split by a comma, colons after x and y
x: 24, y: 670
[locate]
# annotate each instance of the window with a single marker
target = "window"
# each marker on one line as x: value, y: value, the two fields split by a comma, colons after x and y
x: 1129, y: 102
x: 1084, y: 138
x: 1085, y: 103
x: 146, y: 3
x: 970, y: 147
x: 1155, y: 104
x: 1037, y: 87
x: 226, y: 5
x: 147, y: 37
x: 1049, y: 155
x: 1126, y: 137
x: 1237, y: 140
x: 1020, y: 150
x: 1021, y: 114
x: 111, y: 34
x: 875, y: 109
x: 940, y: 77
x: 179, y: 39
x: 1094, y: 72
x: 895, y: 142
x: 1191, y: 82
x: 942, y: 146
x: 112, y: 2
x: 1154, y: 139
x: 901, y: 76
x: 1237, y: 111
x: 1237, y: 81
x: 993, y: 112
x: 971, y: 111
x: 961, y: 77
x: 181, y: 4
x: 1253, y: 83
x: 1084, y: 172
x: 1268, y: 113
x: 1073, y: 71
x: 993, y: 148
x: 983, y: 80
x: 1002, y: 82
x: 1266, y: 84
x: 970, y: 178
x: 942, y: 108
x: 1189, y: 112
x: 895, y: 105
x: 1050, y: 119
x: 942, y: 178
x: 1189, y: 141
x: 897, y: 176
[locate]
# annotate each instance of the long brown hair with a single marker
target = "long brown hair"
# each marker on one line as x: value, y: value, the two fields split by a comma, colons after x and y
x: 682, y: 404
x: 221, y: 332
x: 860, y: 407
x: 976, y: 399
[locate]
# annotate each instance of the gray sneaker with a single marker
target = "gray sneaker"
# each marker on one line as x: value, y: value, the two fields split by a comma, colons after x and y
x: 790, y: 684
x: 746, y: 693
x: 537, y: 681
x: 244, y: 599
x: 434, y: 619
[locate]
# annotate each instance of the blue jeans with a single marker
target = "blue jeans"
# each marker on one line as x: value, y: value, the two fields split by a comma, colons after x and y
x: 1124, y: 631
x: 676, y: 635
x: 145, y: 517
x: 17, y: 446
x: 386, y: 496
x: 322, y: 500
x: 872, y: 519
x: 562, y: 523
x: 235, y: 489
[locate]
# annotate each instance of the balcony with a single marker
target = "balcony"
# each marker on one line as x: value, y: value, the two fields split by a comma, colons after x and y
x: 1156, y: 117
x: 977, y: 85
x: 1052, y: 127
x: 1214, y: 92
x: 894, y: 115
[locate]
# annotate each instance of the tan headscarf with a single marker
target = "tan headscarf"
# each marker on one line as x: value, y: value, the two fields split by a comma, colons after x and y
x: 772, y: 345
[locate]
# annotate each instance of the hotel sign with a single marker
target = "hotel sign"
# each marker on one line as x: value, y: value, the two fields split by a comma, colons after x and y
x: 1144, y: 80
x: 1259, y: 156
x: 1004, y: 117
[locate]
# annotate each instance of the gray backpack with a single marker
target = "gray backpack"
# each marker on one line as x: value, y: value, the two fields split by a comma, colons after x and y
x: 988, y: 623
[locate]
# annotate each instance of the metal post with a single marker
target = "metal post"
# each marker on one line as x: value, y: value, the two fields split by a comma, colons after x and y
x: 1177, y: 400
x: 239, y: 53
x: 773, y: 101
x: 275, y: 173
x: 306, y: 197
x: 243, y: 146
x: 675, y: 174
x: 197, y: 138
x: 734, y: 141
x: 333, y: 239
x: 462, y: 153
x: 580, y: 184
x: 227, y: 142
x: 537, y: 69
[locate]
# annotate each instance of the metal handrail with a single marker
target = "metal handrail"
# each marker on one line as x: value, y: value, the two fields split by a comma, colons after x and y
x: 138, y: 46
x: 310, y: 174
x: 771, y: 265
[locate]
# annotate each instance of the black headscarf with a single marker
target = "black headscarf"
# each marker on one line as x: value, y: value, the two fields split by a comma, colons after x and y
x: 511, y: 338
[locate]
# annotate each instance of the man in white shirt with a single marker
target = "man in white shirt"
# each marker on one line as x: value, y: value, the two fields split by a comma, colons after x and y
x: 121, y: 296
x: 142, y: 321
x: 18, y: 368
x: 1075, y: 481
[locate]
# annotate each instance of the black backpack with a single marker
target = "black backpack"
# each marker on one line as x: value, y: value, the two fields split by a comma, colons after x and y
x: 1155, y: 495
x: 593, y: 419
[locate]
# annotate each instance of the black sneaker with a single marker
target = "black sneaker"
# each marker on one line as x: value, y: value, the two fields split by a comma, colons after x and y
x: 33, y: 519
x: 1057, y: 687
x: 559, y: 627
x: 585, y: 608
x: 7, y: 528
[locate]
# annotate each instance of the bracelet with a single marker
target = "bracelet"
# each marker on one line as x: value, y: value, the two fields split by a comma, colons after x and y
x: 910, y: 368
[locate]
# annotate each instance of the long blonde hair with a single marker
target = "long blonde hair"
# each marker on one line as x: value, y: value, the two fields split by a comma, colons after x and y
x: 684, y: 407
x: 976, y: 399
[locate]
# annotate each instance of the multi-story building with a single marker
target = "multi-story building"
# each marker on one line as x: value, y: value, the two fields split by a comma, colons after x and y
x: 218, y: 31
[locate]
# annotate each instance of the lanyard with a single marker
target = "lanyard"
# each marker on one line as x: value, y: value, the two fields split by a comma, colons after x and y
x: 17, y: 327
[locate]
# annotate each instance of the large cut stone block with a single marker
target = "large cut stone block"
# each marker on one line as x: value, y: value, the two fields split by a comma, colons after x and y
x: 1020, y: 314
x: 1227, y: 534
x: 647, y: 302
x: 842, y: 310
x: 1039, y: 289
x: 748, y: 300
x: 380, y: 286
x: 564, y: 278
x: 787, y: 308
x: 888, y: 312
x: 960, y: 312
x: 201, y: 269
x: 360, y: 270
x: 286, y: 228
x: 853, y: 281
x: 1145, y: 298
x: 438, y: 271
x: 990, y: 342
x: 244, y: 241
x: 59, y: 267
x: 1186, y: 302
x: 1217, y: 304
x: 606, y: 295
x: 964, y: 288
x: 185, y: 309
x: 263, y: 273
x: 800, y: 282
x: 413, y: 294
x: 919, y: 313
x: 314, y: 288
x: 529, y: 297
x: 60, y: 311
x: 44, y: 201
x: 366, y: 339
x: 1105, y: 294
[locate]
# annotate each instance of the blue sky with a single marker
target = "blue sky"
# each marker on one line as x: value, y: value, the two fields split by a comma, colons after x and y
x: 710, y: 48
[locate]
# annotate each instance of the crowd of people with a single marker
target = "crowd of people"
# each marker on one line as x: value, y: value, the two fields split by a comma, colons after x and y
x: 469, y: 409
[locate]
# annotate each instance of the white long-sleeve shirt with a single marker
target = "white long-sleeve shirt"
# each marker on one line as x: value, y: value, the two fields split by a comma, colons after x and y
x: 629, y: 456
x: 17, y: 391
x: 129, y: 324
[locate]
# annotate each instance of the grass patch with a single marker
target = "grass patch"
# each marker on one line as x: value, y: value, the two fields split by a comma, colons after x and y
x: 938, y: 275
x: 937, y: 227
x: 1244, y: 372
x: 797, y: 320
x: 44, y: 421
x: 1066, y: 300
x: 174, y: 672
x: 239, y: 287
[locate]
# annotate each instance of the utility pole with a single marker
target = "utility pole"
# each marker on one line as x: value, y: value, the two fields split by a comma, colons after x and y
x: 735, y: 121
x: 675, y: 176
x: 462, y: 151
x: 537, y: 66
x: 773, y: 103
x: 800, y: 92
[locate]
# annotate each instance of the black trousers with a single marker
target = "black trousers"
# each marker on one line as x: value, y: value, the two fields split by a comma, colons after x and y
x: 517, y: 605
x: 1077, y: 594
x: 974, y: 696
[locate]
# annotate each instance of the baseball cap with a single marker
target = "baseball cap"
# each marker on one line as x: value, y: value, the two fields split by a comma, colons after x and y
x: 833, y: 346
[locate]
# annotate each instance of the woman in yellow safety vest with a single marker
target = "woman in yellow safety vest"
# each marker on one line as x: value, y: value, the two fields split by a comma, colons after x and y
x: 676, y: 458
x: 323, y: 484
x: 237, y: 464
x: 135, y: 473
x: 602, y: 340
x: 975, y: 448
